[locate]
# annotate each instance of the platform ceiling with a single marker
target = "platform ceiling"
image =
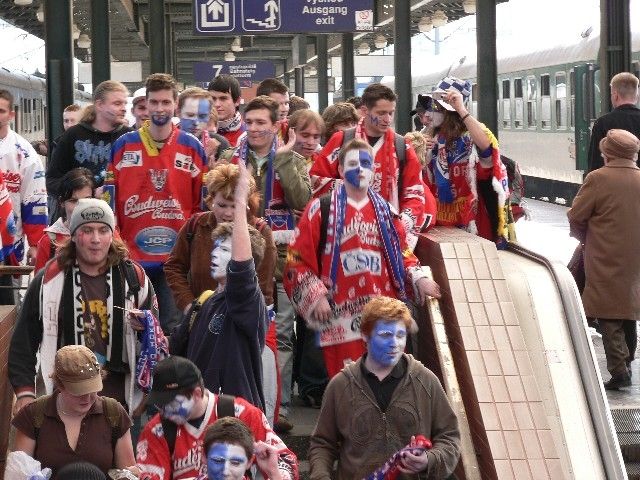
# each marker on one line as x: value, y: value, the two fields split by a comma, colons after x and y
x: 130, y: 18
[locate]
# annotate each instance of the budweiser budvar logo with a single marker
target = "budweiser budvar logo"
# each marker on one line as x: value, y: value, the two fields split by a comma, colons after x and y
x: 165, y: 209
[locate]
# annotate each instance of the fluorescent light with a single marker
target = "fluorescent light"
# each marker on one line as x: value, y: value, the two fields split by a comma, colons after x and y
x: 229, y: 57
x: 23, y: 3
x: 75, y: 32
x: 40, y: 14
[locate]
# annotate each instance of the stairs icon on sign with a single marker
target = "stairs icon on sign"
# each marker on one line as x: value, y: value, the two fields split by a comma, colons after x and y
x: 265, y: 25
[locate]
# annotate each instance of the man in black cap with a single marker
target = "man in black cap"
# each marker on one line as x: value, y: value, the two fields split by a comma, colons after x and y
x: 170, y: 446
x: 422, y: 113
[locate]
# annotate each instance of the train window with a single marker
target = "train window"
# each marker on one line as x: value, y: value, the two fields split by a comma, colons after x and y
x: 561, y: 100
x: 519, y: 103
x: 506, y: 104
x: 545, y: 102
x: 532, y: 94
x: 572, y: 96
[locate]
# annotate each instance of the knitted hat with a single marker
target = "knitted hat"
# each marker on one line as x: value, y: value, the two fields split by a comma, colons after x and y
x: 620, y: 144
x: 77, y: 368
x: 463, y: 86
x: 81, y: 471
x: 91, y: 210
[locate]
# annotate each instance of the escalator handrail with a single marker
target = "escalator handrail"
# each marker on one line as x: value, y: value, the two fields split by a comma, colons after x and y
x: 599, y: 411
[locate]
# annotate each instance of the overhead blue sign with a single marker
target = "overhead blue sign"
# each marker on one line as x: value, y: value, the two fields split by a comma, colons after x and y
x: 267, y: 16
x: 243, y: 71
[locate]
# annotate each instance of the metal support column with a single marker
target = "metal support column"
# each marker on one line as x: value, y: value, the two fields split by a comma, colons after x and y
x: 348, y: 76
x: 59, y: 60
x: 487, y: 64
x: 299, y: 81
x: 100, y: 42
x: 299, y: 55
x: 615, y: 45
x: 323, y: 77
x: 402, y: 66
x: 168, y: 46
x: 157, y: 55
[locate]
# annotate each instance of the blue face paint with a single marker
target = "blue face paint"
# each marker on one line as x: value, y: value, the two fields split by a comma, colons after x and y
x: 358, y: 168
x: 226, y: 462
x: 220, y: 257
x: 386, y: 342
x: 160, y: 120
x: 178, y: 410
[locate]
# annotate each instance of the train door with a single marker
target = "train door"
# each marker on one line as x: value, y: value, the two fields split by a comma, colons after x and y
x: 584, y: 89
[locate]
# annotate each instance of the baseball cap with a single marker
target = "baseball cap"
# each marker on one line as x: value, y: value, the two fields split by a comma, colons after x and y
x: 171, y: 375
x: 91, y: 210
x: 463, y: 86
x: 78, y: 370
x: 139, y: 94
x: 423, y: 104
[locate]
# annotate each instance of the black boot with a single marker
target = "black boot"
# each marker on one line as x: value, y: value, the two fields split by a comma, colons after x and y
x: 617, y: 382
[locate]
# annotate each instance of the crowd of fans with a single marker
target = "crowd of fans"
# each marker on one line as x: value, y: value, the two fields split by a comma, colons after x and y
x: 198, y: 262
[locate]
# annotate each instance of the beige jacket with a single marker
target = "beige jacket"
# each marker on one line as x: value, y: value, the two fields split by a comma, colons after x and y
x: 605, y: 215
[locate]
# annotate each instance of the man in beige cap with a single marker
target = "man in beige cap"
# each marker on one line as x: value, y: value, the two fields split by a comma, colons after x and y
x: 82, y: 298
x: 605, y: 216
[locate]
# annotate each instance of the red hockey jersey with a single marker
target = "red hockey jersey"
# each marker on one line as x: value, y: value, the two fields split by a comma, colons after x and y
x: 153, y: 192
x: 188, y: 460
x: 362, y: 272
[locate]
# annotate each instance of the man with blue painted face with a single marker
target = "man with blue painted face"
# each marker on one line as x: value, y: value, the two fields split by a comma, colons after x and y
x: 154, y: 184
x: 396, y: 399
x: 225, y: 336
x: 363, y: 253
x: 171, y: 444
x: 196, y: 113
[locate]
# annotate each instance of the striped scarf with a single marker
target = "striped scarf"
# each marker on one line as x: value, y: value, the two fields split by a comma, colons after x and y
x: 154, y: 348
x: 390, y: 240
x: 390, y: 471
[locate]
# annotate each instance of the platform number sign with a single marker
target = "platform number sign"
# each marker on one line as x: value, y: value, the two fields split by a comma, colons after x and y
x: 267, y: 16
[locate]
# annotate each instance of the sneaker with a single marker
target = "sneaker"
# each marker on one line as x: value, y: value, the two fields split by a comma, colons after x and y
x: 282, y: 425
x: 618, y: 382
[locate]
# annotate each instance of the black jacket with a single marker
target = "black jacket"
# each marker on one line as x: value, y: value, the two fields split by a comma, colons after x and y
x: 228, y: 336
x: 624, y: 117
x: 81, y: 146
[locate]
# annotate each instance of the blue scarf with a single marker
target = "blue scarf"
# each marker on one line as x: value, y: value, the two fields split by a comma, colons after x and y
x: 388, y: 232
x: 154, y: 348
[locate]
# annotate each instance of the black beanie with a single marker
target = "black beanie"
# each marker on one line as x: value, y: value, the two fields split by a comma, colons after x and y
x: 80, y: 471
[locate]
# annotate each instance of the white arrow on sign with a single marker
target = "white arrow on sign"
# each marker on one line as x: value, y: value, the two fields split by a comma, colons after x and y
x: 215, y: 14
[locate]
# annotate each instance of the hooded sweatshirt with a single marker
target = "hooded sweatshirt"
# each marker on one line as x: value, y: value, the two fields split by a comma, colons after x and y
x: 81, y: 146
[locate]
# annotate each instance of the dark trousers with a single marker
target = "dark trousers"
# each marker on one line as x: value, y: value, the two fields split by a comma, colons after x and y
x: 630, y: 335
x: 309, y: 368
x: 615, y: 345
x: 170, y: 316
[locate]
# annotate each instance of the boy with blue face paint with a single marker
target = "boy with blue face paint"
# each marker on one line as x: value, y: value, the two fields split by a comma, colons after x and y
x: 196, y: 113
x: 365, y: 254
x: 205, y: 446
x: 231, y: 450
x: 396, y: 399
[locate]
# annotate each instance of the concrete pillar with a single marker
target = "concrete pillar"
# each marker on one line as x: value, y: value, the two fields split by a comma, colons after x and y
x: 487, y: 64
x: 59, y: 60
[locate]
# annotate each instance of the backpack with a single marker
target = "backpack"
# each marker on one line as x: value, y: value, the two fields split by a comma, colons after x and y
x: 400, y: 146
x: 111, y: 410
x: 225, y: 408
